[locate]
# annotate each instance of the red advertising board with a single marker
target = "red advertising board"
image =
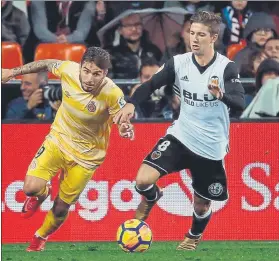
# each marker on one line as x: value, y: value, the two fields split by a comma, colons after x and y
x: 251, y: 213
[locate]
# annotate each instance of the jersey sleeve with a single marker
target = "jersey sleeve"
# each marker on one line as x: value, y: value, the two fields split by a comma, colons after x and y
x: 62, y: 67
x: 116, y: 100
x: 234, y: 92
x: 164, y: 77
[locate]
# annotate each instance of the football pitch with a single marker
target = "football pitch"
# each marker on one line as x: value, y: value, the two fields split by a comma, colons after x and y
x: 159, y: 251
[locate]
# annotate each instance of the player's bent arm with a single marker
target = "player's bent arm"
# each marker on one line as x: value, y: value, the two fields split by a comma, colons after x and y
x: 165, y: 76
x: 234, y: 91
x: 37, y: 66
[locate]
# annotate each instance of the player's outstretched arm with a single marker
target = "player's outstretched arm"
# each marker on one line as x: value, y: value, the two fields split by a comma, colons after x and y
x: 164, y: 77
x: 33, y: 67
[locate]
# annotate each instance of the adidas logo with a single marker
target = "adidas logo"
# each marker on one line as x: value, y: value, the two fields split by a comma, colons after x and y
x: 185, y: 78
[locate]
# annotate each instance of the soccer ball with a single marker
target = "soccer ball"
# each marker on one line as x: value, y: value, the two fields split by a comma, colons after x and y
x: 134, y: 236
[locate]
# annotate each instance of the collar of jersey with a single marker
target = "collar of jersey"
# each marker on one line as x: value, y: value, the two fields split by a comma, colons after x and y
x: 202, y: 69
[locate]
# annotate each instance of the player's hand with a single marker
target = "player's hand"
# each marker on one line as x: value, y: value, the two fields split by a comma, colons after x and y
x: 126, y: 130
x: 7, y: 74
x: 35, y: 99
x: 216, y: 91
x: 125, y: 114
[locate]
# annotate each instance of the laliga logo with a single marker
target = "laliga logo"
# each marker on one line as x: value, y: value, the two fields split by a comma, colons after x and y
x: 183, y: 205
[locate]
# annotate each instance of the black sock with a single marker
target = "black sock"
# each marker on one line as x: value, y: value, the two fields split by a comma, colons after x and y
x: 151, y: 193
x: 199, y: 223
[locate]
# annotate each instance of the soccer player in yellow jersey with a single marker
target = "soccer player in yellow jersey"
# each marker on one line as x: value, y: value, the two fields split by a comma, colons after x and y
x: 79, y: 136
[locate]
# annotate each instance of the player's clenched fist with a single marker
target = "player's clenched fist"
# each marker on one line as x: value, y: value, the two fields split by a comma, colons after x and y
x: 125, y: 114
x: 7, y: 74
x: 126, y: 130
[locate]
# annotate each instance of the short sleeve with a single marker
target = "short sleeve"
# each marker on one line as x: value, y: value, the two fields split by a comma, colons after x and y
x: 116, y: 100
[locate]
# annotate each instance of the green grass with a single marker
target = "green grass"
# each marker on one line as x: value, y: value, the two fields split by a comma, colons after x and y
x: 159, y: 251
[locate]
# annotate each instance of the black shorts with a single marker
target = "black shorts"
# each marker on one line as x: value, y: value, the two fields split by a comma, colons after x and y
x: 209, y: 179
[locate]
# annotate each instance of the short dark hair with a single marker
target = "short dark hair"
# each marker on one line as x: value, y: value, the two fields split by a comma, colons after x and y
x: 98, y: 56
x: 247, y: 69
x: 276, y: 38
x: 213, y: 21
x: 151, y: 61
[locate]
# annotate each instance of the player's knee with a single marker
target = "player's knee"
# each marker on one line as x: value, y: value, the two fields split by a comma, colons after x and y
x: 142, y: 183
x: 201, y: 208
x: 31, y: 189
x: 60, y: 208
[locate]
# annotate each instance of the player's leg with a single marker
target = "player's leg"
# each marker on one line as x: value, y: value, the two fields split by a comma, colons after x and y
x: 53, y: 220
x: 75, y: 179
x: 43, y: 167
x: 201, y: 216
x: 209, y: 183
x: 146, y: 186
x: 163, y: 159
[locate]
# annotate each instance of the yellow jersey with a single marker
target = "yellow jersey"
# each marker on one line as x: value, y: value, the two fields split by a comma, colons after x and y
x: 83, y: 122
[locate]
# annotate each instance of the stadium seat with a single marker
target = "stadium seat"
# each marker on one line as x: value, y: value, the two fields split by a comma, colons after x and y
x: 233, y: 49
x: 71, y: 52
x: 11, y: 55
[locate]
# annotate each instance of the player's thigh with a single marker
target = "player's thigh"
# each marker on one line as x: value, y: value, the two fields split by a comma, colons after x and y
x: 47, y: 161
x: 167, y: 156
x: 73, y: 183
x: 209, y: 179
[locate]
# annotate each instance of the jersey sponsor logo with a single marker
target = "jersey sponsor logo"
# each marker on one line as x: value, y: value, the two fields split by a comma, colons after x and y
x: 198, y: 97
x: 91, y: 106
x: 184, y: 78
x: 121, y: 102
x: 215, y: 189
x: 156, y: 154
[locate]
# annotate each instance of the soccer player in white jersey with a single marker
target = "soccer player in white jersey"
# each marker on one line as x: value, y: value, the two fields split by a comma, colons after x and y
x: 208, y: 85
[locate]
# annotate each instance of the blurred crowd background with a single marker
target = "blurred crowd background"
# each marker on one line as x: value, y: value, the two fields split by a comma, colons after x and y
x: 139, y: 43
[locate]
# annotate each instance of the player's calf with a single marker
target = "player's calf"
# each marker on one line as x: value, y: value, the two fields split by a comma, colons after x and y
x: 146, y: 186
x: 201, y: 216
x: 151, y: 195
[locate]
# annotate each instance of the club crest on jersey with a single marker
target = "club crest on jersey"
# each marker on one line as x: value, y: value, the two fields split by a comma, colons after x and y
x: 214, y: 80
x: 156, y: 154
x: 91, y: 106
x: 215, y: 189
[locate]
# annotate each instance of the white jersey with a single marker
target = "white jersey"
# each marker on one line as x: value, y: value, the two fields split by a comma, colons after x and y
x: 203, y: 123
